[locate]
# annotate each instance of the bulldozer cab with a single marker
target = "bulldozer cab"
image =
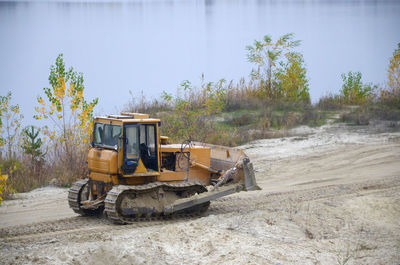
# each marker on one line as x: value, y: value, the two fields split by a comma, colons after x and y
x: 125, y: 145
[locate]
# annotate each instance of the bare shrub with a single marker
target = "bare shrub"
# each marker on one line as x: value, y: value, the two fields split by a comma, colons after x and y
x: 25, y: 178
x: 364, y: 114
x: 330, y: 102
x: 241, y: 120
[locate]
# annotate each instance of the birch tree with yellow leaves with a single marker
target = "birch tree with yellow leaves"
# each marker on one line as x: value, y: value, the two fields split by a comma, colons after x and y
x: 391, y: 94
x: 10, y: 124
x: 71, y: 116
x: 394, y: 71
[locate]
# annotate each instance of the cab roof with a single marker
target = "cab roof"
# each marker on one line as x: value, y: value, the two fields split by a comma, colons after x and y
x: 127, y: 117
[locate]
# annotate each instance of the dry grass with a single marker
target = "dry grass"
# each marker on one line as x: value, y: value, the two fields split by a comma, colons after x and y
x: 376, y: 111
x: 331, y: 102
x: 383, y: 105
x: 241, y: 114
x: 25, y: 174
x: 67, y: 168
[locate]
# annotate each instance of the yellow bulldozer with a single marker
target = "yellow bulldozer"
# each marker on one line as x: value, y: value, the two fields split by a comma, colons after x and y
x: 134, y: 173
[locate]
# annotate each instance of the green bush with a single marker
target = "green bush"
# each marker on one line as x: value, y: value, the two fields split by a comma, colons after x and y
x: 280, y: 71
x: 354, y: 91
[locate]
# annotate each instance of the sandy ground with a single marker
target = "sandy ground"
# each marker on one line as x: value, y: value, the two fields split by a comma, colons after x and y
x: 330, y: 195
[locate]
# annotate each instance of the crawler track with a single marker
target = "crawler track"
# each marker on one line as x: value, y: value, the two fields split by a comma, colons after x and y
x: 112, y: 207
x: 74, y: 196
x: 113, y: 200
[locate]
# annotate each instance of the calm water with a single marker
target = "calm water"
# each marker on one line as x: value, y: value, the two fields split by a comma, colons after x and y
x: 152, y: 46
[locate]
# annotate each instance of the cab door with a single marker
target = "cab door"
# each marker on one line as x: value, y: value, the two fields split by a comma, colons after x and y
x: 148, y: 146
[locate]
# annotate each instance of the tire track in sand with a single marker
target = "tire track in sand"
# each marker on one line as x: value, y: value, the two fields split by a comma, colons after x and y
x: 226, y: 205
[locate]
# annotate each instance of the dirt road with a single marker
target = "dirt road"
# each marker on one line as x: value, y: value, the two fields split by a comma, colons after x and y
x: 330, y: 196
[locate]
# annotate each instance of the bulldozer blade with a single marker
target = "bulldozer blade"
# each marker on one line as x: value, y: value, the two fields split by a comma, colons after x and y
x: 185, y: 203
x: 249, y: 177
x: 224, y: 158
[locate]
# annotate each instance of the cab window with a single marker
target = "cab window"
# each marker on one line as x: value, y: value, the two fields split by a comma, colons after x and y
x: 132, y: 146
x: 148, y: 146
x: 106, y: 135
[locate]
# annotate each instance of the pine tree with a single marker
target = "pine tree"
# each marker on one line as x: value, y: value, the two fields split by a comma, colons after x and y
x: 32, y: 145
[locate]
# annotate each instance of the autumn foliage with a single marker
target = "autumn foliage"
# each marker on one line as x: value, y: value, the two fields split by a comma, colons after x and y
x: 71, y: 117
x: 280, y: 70
x: 391, y: 95
x: 394, y: 71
